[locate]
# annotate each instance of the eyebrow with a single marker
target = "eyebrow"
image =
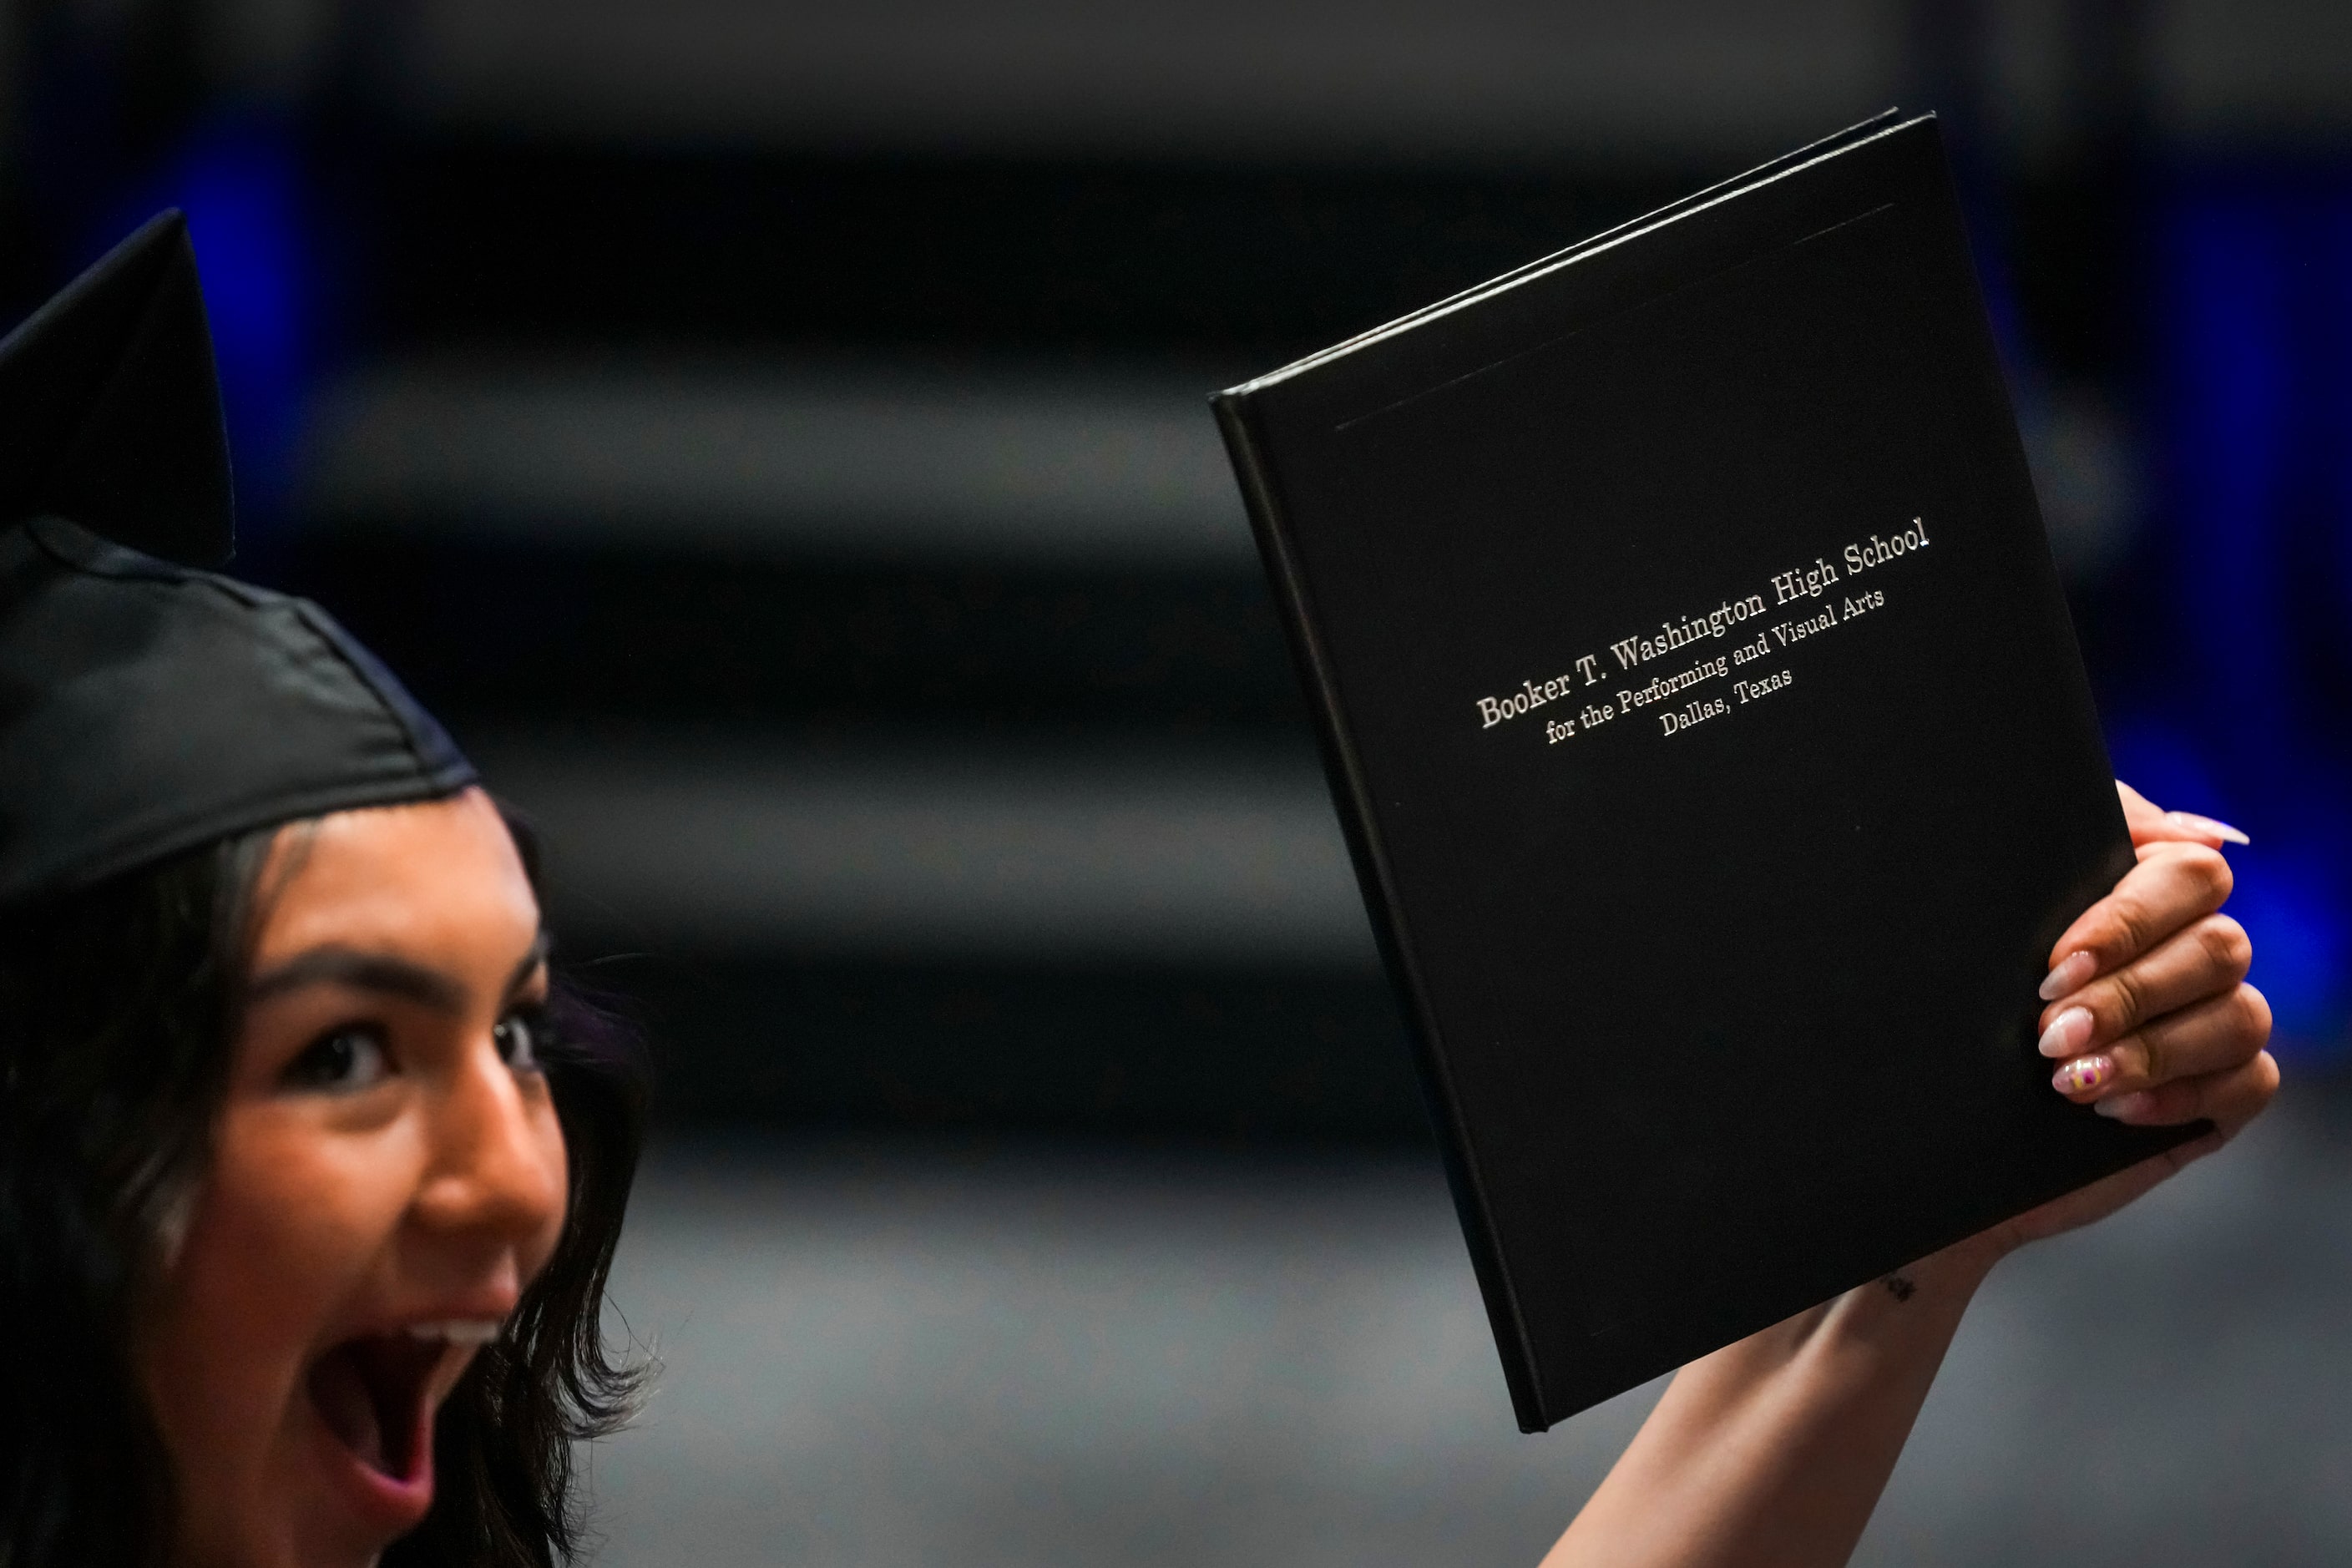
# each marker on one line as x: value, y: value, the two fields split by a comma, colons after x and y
x: 382, y: 972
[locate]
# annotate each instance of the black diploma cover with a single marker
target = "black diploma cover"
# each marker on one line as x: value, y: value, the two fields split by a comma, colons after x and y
x: 1708, y: 725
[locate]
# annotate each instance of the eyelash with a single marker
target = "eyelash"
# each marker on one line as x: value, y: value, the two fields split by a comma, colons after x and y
x: 538, y: 1033
x: 319, y: 1069
x: 327, y: 1062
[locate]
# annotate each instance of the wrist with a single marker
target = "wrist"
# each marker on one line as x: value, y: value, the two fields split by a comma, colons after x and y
x: 1923, y: 1298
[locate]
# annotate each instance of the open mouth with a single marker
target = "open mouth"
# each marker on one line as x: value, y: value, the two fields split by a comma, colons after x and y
x: 373, y: 1395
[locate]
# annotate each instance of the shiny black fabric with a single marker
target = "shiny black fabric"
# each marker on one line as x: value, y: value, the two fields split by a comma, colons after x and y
x: 148, y: 708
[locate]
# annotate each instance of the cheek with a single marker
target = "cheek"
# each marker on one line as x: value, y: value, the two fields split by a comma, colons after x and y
x: 291, y: 1223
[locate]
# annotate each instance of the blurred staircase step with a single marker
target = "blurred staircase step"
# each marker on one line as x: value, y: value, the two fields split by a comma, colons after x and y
x: 845, y: 461
x: 944, y: 848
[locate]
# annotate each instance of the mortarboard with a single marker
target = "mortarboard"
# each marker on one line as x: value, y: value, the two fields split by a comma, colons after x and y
x: 148, y: 705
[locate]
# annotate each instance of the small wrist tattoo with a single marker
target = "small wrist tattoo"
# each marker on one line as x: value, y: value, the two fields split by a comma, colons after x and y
x: 1899, y: 1286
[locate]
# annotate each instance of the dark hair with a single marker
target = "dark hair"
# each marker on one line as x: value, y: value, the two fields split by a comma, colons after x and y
x: 115, y: 1010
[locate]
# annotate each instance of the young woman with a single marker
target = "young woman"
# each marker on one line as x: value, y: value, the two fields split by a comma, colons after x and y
x: 310, y: 1178
x: 325, y: 1270
x: 309, y: 1190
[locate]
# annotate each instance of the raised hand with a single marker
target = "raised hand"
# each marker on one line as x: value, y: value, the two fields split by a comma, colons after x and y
x: 2149, y: 1018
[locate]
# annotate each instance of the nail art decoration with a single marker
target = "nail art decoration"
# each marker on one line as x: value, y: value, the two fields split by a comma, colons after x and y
x: 2083, y: 1074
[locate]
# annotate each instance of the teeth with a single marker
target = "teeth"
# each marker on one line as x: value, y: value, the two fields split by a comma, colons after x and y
x: 458, y: 1330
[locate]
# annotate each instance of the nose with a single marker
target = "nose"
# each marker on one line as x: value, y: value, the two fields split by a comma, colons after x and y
x: 496, y: 1183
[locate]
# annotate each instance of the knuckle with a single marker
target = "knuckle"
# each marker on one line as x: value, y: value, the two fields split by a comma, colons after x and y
x: 2127, y: 998
x: 2134, y: 923
x: 2254, y: 1015
x: 2209, y: 873
x: 2226, y: 943
x: 2240, y: 1096
x: 2264, y: 1076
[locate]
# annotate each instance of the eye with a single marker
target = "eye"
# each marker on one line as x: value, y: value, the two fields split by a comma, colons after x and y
x: 520, y: 1035
x: 342, y: 1061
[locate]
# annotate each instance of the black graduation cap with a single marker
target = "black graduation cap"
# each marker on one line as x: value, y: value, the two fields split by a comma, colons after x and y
x: 148, y: 707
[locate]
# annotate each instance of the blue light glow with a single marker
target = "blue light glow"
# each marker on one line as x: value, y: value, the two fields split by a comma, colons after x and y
x: 2253, y: 383
x: 241, y: 186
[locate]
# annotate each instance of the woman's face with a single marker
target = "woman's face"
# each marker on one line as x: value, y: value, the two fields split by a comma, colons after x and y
x: 388, y: 1175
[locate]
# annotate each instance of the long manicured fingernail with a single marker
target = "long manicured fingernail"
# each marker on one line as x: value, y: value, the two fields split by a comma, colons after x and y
x: 2083, y: 1074
x: 2124, y: 1106
x: 2221, y: 830
x: 2072, y: 972
x: 2068, y: 1033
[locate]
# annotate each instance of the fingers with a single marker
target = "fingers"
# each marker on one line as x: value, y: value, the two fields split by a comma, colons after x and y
x: 2217, y: 1035
x: 2147, y: 1006
x: 2187, y: 827
x: 2229, y: 1099
x: 2174, y: 884
x: 2148, y: 1001
x: 2206, y: 959
x: 2150, y: 824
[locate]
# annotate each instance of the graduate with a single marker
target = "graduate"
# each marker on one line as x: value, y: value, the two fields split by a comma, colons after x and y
x: 310, y: 1178
x: 312, y: 1174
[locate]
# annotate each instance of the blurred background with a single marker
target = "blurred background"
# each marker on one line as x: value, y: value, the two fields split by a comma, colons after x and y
x: 772, y: 436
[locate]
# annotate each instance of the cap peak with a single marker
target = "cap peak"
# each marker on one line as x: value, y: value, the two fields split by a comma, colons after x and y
x: 110, y: 404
